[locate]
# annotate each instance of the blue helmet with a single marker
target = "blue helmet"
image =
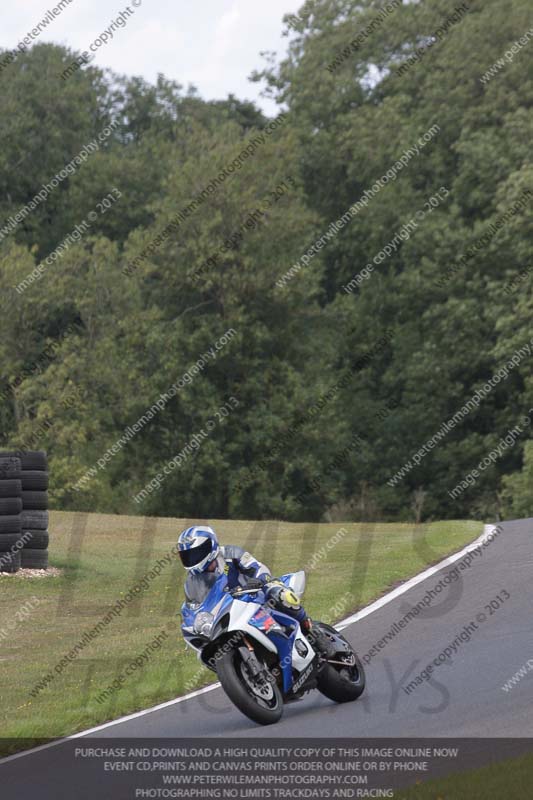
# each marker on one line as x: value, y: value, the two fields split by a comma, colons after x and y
x: 198, y: 547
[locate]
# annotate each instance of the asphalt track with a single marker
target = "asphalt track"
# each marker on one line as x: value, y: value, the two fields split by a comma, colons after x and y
x: 462, y: 698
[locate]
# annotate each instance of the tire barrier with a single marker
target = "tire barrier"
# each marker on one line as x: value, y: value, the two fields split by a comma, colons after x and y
x: 10, y: 513
x: 24, y: 536
x: 34, y: 559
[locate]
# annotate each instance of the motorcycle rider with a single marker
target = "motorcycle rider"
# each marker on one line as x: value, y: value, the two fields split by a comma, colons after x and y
x: 205, y: 560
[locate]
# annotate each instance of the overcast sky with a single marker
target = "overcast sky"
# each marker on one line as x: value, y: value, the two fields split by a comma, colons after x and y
x: 213, y: 44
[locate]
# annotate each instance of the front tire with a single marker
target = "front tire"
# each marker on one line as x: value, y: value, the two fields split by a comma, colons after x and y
x: 342, y: 684
x: 232, y: 673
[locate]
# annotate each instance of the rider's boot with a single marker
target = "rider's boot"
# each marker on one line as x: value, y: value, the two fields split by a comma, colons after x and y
x: 317, y: 638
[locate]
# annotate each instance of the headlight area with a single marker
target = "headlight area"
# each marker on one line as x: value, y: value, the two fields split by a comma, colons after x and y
x: 203, y: 624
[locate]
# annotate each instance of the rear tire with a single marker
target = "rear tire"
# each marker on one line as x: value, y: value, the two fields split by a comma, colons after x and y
x: 342, y: 685
x: 229, y: 668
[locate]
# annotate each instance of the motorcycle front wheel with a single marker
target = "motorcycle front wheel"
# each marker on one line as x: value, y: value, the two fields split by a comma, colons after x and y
x: 261, y: 702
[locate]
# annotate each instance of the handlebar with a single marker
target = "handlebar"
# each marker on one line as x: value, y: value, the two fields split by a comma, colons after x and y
x: 244, y: 590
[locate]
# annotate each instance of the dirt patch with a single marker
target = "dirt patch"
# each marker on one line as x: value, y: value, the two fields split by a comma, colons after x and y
x: 29, y: 574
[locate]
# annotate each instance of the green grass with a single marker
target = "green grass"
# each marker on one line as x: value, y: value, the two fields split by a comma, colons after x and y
x: 509, y: 780
x: 101, y: 557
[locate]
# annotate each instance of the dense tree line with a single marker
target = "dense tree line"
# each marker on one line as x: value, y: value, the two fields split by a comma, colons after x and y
x: 166, y: 221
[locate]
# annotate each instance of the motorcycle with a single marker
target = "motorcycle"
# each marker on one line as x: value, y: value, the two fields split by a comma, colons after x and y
x: 260, y: 655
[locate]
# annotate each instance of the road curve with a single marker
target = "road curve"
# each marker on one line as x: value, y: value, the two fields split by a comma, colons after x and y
x: 462, y: 698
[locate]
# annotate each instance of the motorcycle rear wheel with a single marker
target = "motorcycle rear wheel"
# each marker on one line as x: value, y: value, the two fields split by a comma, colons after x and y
x: 265, y: 706
x: 342, y: 684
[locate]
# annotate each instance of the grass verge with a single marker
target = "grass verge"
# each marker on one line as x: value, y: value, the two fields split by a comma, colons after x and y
x: 507, y: 779
x: 101, y: 558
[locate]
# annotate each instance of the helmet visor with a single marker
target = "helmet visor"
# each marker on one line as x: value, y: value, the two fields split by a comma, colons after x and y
x: 192, y: 557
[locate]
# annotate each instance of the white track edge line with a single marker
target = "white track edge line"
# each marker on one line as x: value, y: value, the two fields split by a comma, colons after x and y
x: 422, y: 576
x: 377, y: 604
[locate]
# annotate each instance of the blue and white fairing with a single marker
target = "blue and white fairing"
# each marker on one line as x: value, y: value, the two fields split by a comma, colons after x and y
x: 221, y: 614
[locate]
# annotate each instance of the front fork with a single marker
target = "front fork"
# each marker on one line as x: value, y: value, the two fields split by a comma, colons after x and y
x: 258, y: 671
x: 250, y: 659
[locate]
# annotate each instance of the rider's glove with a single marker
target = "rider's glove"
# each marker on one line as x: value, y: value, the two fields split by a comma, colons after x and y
x: 282, y: 596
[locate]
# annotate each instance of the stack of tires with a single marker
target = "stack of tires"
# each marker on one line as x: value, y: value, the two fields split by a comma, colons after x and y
x: 34, y: 510
x: 10, y: 514
x: 34, y: 516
